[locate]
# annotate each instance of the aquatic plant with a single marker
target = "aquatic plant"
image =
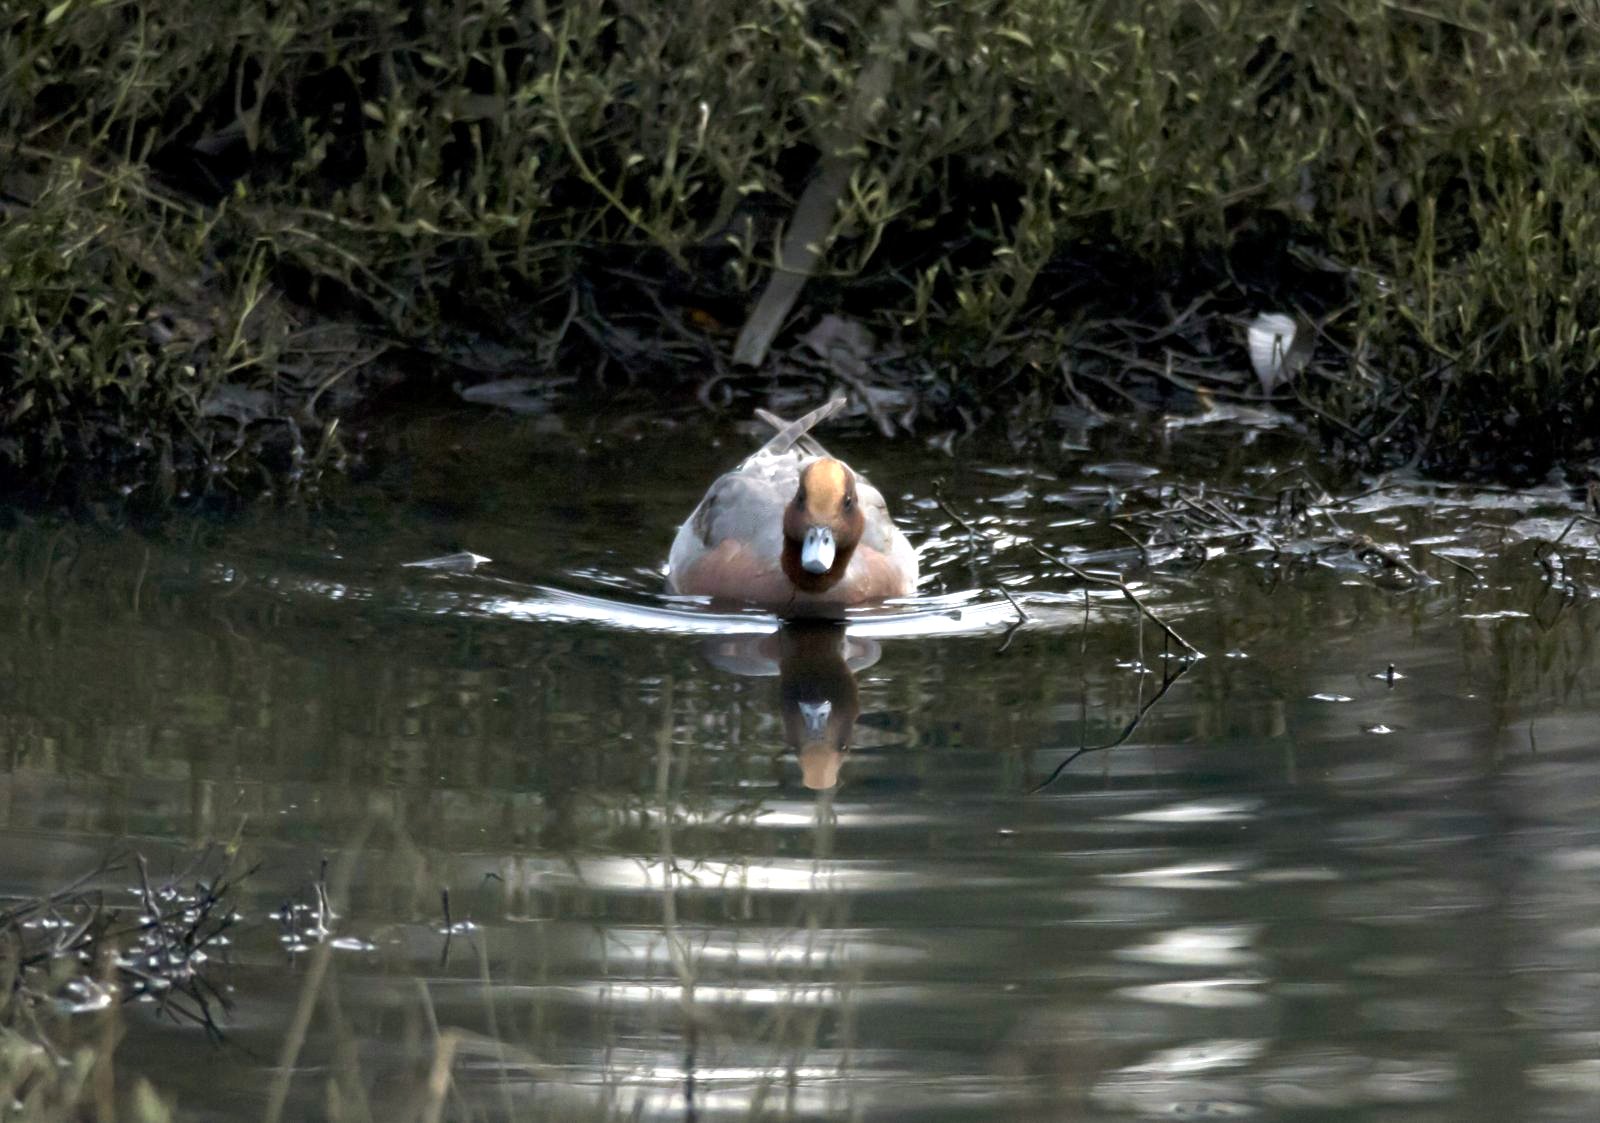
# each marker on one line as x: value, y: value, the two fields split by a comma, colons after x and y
x: 70, y: 960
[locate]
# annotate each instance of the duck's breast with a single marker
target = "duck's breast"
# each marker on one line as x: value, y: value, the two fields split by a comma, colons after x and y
x: 877, y: 574
x: 892, y: 560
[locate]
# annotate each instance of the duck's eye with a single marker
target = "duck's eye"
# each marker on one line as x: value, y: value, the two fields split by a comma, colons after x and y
x: 800, y: 498
x: 849, y: 503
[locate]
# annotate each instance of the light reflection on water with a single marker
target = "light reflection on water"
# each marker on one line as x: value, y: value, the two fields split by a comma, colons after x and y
x: 1246, y: 904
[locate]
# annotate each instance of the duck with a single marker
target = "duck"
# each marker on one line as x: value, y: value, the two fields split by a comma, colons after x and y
x: 816, y: 663
x: 793, y: 529
x: 819, y: 698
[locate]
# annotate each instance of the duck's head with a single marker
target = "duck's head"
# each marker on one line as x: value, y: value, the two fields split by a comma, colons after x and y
x: 820, y: 698
x: 821, y: 526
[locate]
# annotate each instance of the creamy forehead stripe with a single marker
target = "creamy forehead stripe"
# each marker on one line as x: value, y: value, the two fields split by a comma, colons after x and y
x: 825, y: 483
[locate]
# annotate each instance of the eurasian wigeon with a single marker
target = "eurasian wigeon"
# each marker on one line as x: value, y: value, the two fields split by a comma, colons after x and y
x: 816, y: 663
x: 793, y: 529
x: 819, y: 697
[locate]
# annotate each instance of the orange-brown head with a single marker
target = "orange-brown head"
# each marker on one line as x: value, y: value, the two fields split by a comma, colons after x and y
x: 820, y: 699
x: 821, y: 526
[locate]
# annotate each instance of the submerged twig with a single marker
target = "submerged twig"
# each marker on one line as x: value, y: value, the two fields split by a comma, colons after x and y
x: 114, y: 957
x: 1022, y: 615
x: 973, y: 535
x: 1077, y: 571
x: 1168, y: 679
x: 1016, y: 625
x: 449, y: 929
x: 1121, y: 586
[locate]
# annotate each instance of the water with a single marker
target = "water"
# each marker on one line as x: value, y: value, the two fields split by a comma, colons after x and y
x: 1275, y: 882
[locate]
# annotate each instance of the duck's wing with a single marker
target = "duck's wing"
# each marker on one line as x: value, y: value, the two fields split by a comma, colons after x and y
x: 796, y: 433
x: 745, y: 506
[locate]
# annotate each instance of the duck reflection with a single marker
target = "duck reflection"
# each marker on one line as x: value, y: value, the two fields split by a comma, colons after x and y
x: 816, y: 663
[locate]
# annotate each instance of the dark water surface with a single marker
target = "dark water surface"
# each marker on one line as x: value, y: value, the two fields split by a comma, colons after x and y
x: 1294, y: 888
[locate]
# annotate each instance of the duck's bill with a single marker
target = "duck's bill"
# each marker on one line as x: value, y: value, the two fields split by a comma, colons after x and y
x: 816, y: 552
x: 815, y: 716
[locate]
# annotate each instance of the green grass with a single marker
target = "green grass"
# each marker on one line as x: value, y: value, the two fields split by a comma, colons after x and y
x: 193, y: 191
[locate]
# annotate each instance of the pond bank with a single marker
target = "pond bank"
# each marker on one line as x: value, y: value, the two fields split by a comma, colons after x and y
x: 227, y: 233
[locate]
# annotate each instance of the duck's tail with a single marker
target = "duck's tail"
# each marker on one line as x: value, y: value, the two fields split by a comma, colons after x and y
x: 796, y: 432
